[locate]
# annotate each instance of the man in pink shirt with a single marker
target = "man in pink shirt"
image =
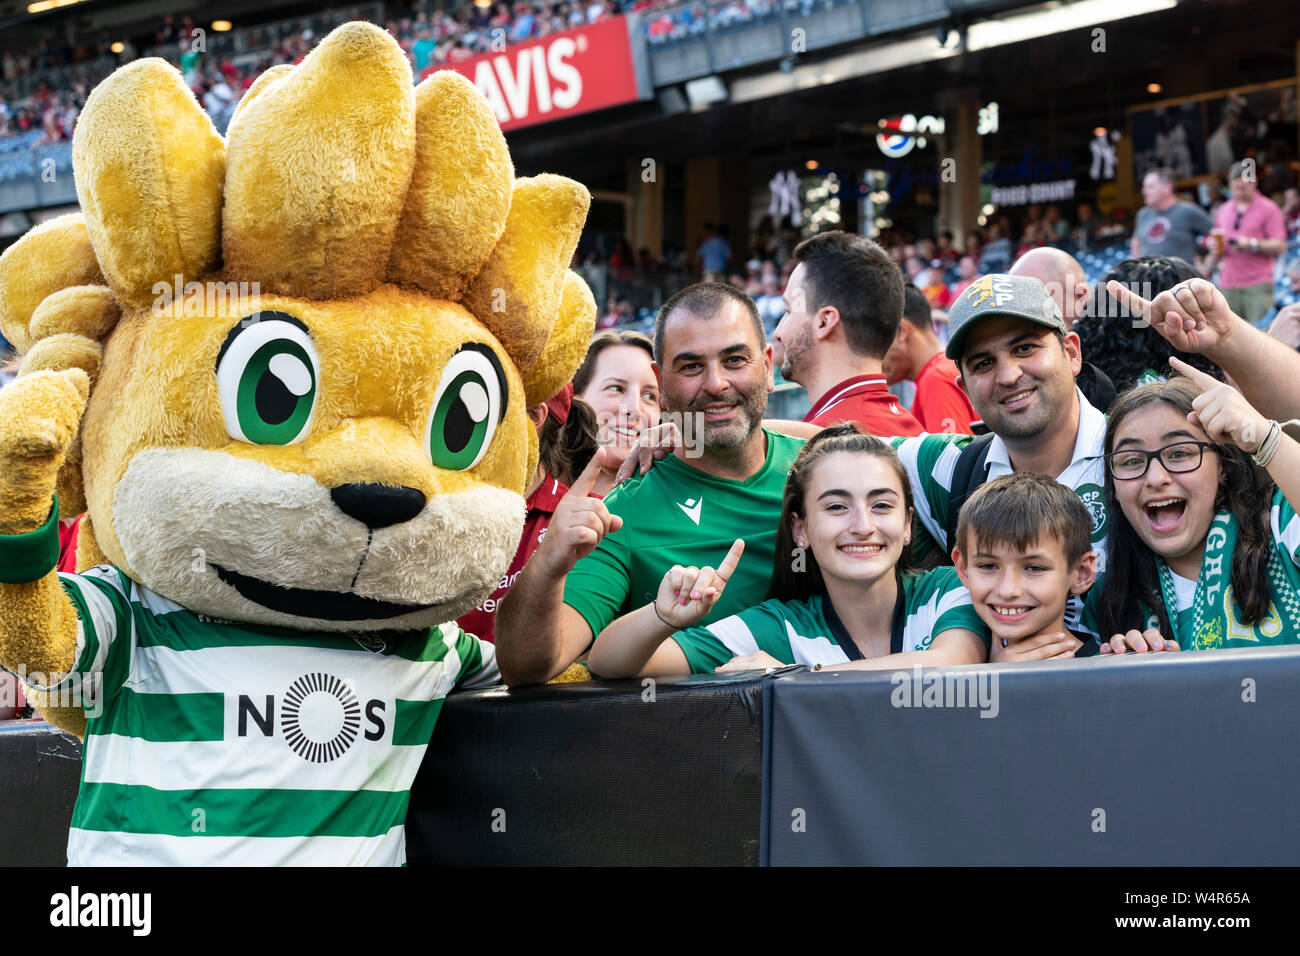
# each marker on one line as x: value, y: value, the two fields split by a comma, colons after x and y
x: 1254, y: 236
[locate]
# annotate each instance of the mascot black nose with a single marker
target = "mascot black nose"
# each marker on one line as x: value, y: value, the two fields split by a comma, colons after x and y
x: 378, y: 506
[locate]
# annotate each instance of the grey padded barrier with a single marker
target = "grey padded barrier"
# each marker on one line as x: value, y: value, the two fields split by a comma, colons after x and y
x: 1165, y: 751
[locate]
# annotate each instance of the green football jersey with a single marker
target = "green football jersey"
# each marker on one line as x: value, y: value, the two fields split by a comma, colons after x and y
x: 810, y: 632
x: 677, y: 514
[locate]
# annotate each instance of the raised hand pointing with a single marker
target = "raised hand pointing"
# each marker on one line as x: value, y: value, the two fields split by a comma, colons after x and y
x: 579, y: 523
x: 1222, y: 411
x: 688, y: 594
x: 1193, y: 316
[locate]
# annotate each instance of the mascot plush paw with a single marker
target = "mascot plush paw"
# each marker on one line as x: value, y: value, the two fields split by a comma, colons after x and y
x: 304, y: 355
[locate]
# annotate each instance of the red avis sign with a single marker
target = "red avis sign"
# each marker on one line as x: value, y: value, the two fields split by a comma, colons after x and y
x: 577, y: 71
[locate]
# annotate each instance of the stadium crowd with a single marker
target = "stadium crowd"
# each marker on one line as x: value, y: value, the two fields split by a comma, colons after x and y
x: 431, y: 37
x: 942, y: 268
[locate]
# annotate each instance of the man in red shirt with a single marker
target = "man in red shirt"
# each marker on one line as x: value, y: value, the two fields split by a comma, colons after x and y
x: 941, y: 404
x: 843, y: 304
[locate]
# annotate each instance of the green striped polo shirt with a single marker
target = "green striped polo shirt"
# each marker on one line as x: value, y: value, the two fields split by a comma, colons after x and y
x: 809, y: 632
x: 212, y: 742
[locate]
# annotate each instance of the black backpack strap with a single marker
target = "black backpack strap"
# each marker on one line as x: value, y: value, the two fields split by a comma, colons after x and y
x: 969, y: 473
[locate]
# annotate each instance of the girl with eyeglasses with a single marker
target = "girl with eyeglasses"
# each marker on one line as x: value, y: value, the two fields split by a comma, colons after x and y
x: 1205, y: 541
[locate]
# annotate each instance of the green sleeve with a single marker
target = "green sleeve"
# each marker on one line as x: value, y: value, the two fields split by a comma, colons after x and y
x: 598, y: 586
x: 760, y: 628
x: 1090, y: 616
x: 704, y: 652
x: 929, y: 461
x: 104, y: 617
x: 98, y: 665
x: 963, y: 616
x: 954, y: 609
x: 478, y: 662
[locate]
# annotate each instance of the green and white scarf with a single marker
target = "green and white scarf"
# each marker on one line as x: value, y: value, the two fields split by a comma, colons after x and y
x: 1215, y: 617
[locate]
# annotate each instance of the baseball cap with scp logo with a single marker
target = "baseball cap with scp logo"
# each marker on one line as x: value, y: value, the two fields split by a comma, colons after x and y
x: 998, y: 294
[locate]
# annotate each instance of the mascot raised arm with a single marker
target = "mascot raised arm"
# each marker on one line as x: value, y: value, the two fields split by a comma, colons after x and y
x: 285, y: 375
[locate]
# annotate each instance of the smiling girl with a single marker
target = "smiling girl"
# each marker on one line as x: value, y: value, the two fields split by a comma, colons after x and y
x: 841, y: 591
x: 1205, y: 546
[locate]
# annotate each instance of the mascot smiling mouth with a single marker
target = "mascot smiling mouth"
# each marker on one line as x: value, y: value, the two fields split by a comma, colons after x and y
x: 306, y: 603
x: 240, y: 539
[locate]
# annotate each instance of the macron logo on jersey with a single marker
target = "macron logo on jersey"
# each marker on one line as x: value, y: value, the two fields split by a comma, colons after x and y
x: 692, y: 508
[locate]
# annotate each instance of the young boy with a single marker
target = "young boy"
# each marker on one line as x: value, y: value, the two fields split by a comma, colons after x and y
x: 1023, y: 547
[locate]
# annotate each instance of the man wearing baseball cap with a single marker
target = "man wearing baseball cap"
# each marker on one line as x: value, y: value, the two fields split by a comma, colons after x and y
x: 1018, y: 363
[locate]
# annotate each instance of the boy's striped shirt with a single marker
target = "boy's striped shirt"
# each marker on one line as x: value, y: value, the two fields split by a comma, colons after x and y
x: 212, y: 742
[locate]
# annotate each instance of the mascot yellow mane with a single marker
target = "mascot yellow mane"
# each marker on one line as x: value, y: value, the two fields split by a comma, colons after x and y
x: 304, y: 353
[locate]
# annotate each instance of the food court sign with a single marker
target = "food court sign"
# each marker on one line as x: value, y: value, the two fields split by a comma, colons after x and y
x: 1056, y: 191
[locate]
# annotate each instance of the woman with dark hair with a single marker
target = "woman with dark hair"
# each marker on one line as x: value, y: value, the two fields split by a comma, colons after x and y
x: 617, y: 380
x: 1204, y: 546
x: 841, y: 595
x: 1115, y: 340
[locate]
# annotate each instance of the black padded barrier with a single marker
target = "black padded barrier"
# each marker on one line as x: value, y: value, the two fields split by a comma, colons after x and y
x: 610, y: 773
x: 1152, y: 760
x: 40, y: 769
x: 593, y: 774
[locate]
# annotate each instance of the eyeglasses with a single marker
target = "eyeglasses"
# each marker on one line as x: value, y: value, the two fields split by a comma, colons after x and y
x: 1179, y: 457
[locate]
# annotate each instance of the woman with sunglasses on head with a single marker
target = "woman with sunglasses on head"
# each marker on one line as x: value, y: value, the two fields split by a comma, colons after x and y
x: 841, y: 594
x: 1205, y: 540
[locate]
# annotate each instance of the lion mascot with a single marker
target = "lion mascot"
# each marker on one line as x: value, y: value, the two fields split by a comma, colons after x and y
x: 285, y: 376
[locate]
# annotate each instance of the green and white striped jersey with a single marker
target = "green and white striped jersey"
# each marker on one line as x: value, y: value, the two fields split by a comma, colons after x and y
x: 210, y: 742
x: 810, y: 632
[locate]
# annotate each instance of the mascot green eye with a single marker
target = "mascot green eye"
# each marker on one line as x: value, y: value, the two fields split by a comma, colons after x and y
x: 467, y: 408
x: 266, y: 376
